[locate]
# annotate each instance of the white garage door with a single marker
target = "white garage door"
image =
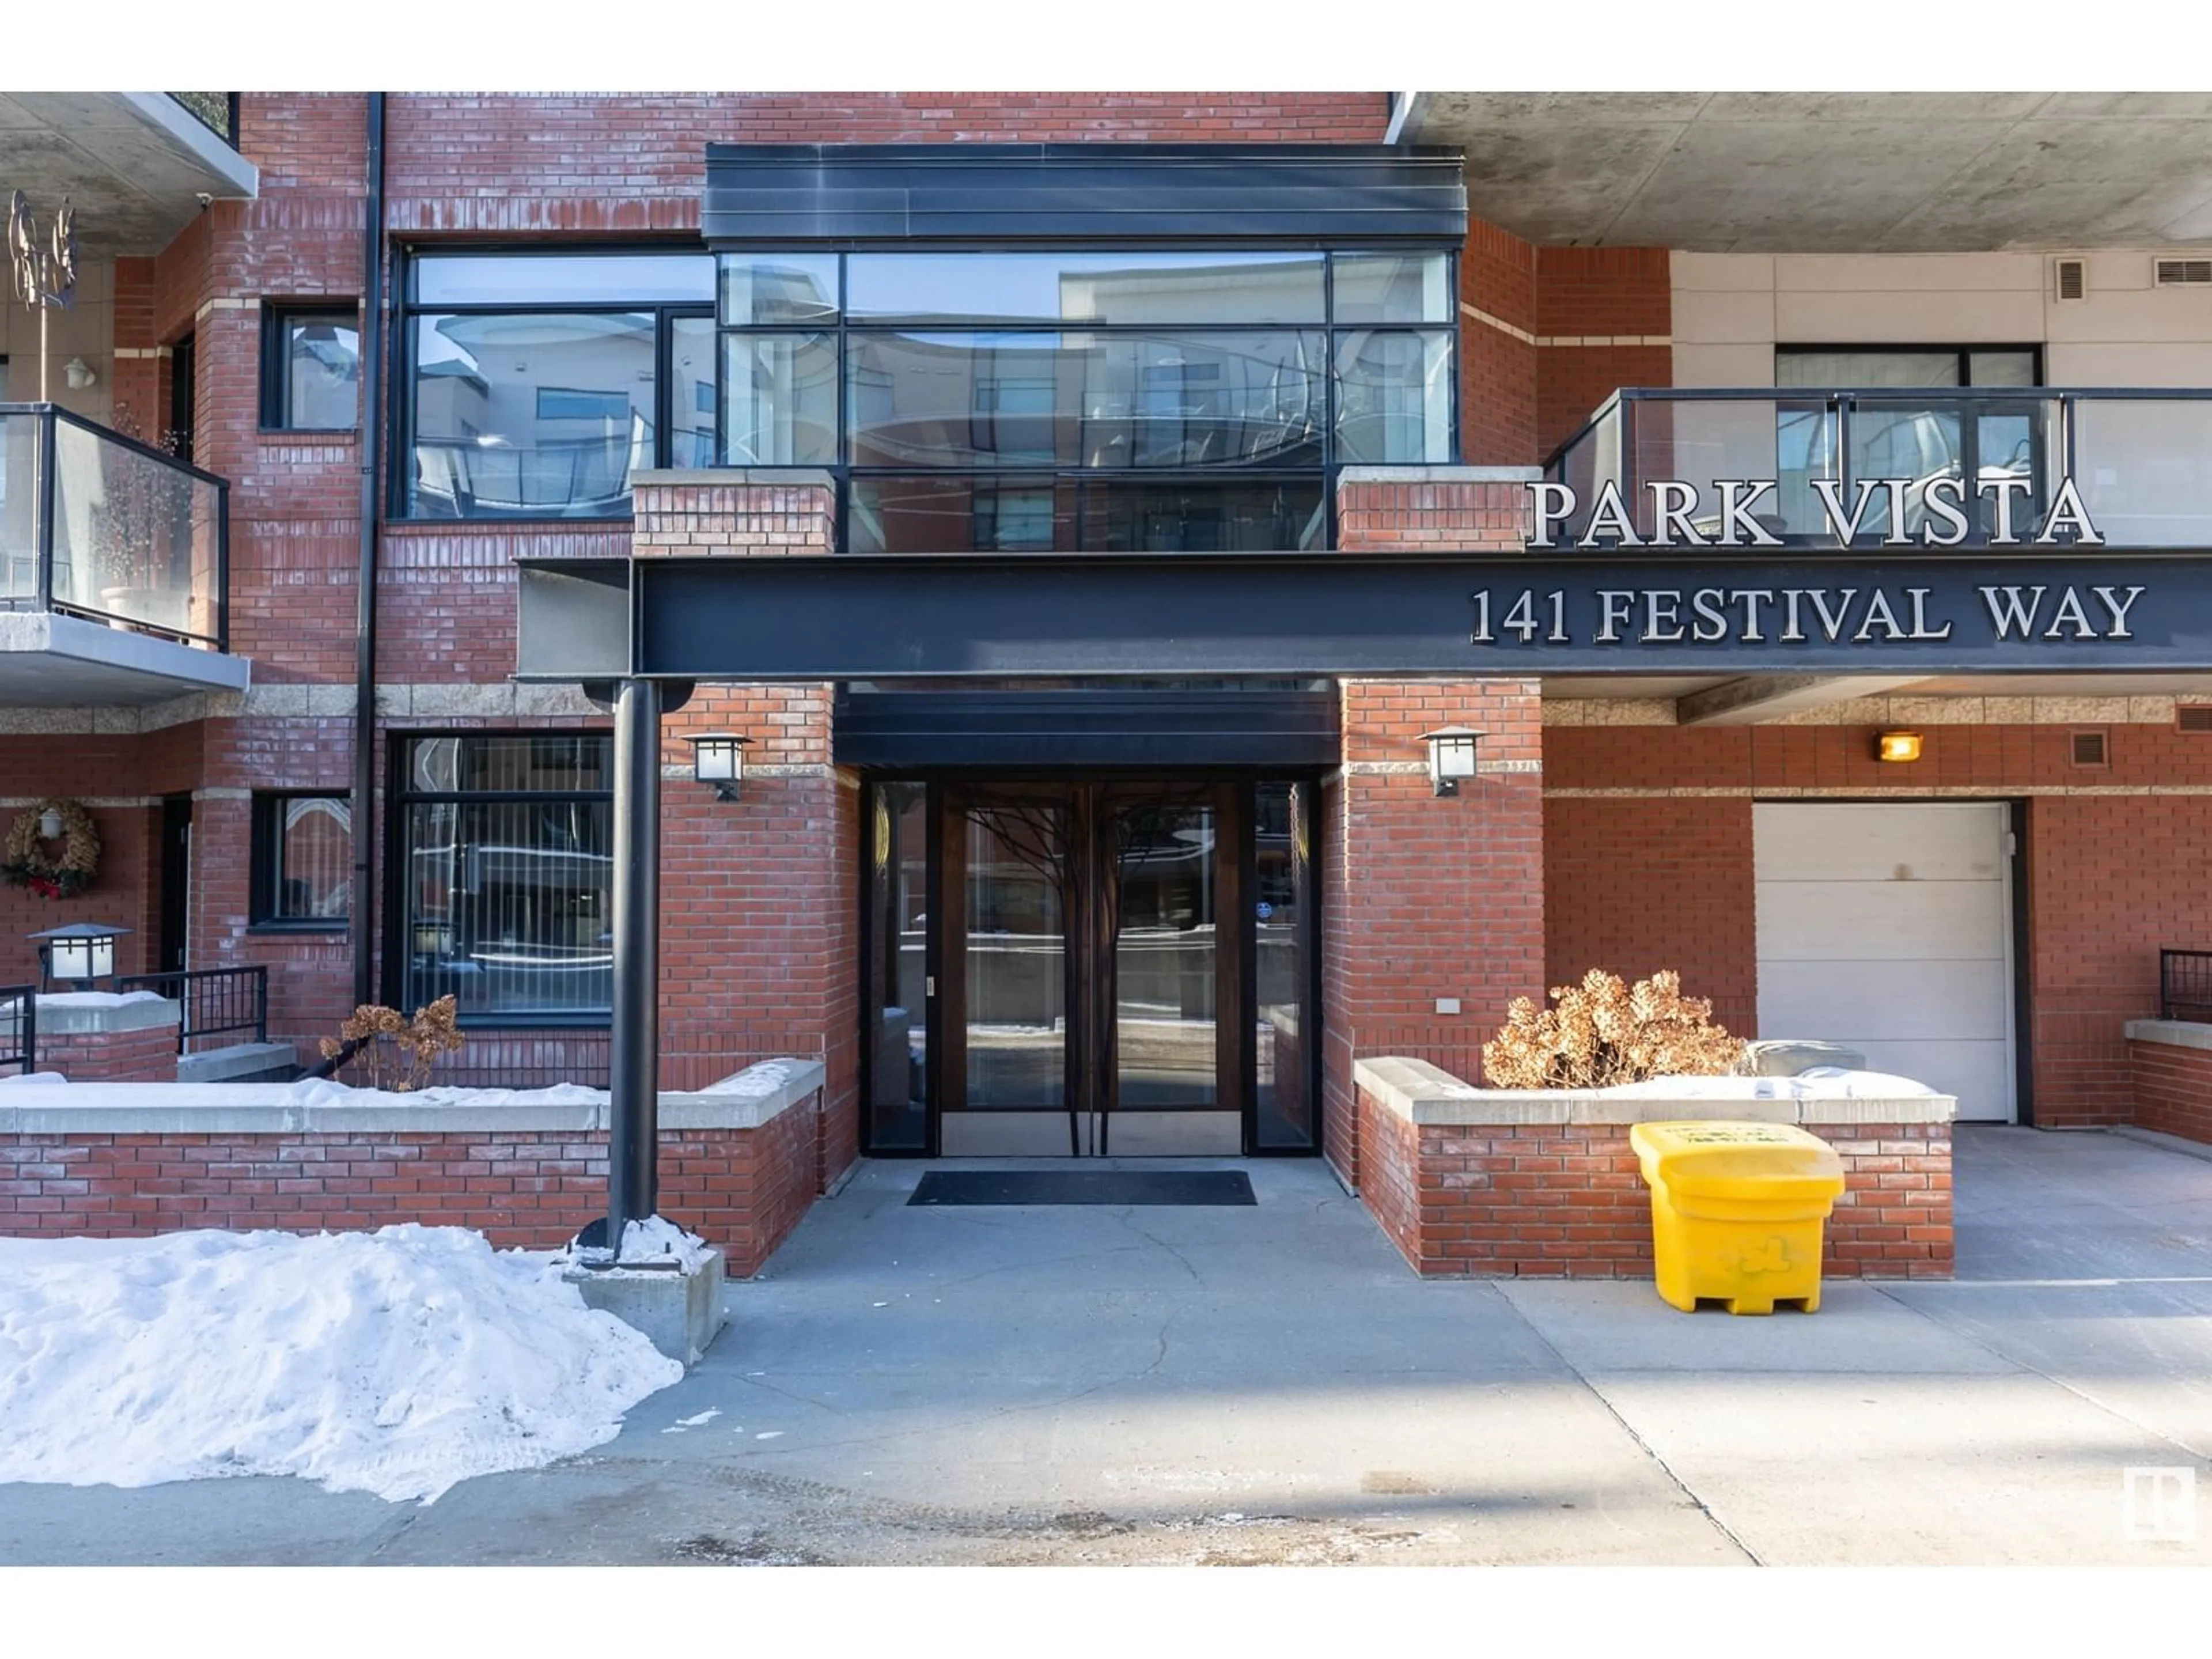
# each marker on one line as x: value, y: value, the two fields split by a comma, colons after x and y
x: 1889, y: 928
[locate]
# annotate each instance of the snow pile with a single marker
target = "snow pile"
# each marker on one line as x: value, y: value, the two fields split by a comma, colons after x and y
x: 659, y: 1240
x: 43, y: 1080
x: 763, y: 1079
x: 398, y: 1362
x: 94, y: 999
x: 322, y: 1091
x: 1819, y: 1083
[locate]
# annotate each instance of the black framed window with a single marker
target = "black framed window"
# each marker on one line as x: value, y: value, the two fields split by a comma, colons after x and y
x: 1907, y: 368
x: 1126, y: 398
x: 311, y: 368
x: 502, y: 876
x: 537, y: 383
x: 302, y: 860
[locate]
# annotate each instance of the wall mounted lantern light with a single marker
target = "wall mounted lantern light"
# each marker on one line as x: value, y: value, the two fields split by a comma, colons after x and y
x: 51, y: 825
x: 79, y: 953
x: 1451, y: 756
x: 1897, y: 746
x: 719, y: 758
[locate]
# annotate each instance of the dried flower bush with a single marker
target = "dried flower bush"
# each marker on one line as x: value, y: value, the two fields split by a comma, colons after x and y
x: 396, y: 1053
x: 1604, y: 1032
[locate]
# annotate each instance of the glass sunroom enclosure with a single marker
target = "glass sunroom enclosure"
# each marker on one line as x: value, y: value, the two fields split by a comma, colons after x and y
x: 1091, y: 401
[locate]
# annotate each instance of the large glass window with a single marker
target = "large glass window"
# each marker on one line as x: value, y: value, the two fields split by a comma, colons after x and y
x: 504, y: 880
x: 539, y: 383
x: 1121, y: 400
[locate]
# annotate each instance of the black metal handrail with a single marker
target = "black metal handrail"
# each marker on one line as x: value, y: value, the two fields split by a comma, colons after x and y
x: 1638, y: 436
x: 2184, y: 985
x: 19, y: 1027
x: 216, y: 111
x: 122, y: 511
x: 216, y: 1001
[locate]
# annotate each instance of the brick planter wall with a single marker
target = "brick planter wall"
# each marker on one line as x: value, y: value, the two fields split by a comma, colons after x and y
x: 2171, y: 1063
x: 741, y: 1184
x: 1566, y: 1201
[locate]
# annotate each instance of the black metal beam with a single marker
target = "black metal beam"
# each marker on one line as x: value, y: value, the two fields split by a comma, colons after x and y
x: 1386, y: 616
x: 634, y: 1056
x: 781, y: 194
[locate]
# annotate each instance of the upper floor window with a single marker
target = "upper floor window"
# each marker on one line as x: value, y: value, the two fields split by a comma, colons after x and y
x: 311, y: 368
x: 1111, y: 400
x: 538, y: 382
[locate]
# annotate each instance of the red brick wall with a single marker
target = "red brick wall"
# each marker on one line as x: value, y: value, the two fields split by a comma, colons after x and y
x: 1567, y: 1201
x: 1636, y: 885
x: 1428, y: 896
x: 142, y: 1056
x: 2172, y: 1088
x: 586, y: 162
x: 1610, y: 294
x: 1497, y: 370
x: 744, y: 1189
x: 1652, y: 876
x: 1432, y: 517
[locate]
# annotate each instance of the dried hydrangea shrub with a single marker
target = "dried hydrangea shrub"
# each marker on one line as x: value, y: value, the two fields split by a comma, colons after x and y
x: 1604, y: 1031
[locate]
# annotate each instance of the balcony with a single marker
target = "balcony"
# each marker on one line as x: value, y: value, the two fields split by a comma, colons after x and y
x: 137, y: 166
x: 114, y: 567
x: 1949, y: 460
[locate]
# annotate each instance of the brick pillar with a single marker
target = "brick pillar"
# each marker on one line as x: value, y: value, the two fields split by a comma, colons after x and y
x: 760, y: 903
x: 1428, y: 898
x: 96, y: 1037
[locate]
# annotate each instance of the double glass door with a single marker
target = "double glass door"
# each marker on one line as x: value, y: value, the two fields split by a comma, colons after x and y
x: 1105, y: 968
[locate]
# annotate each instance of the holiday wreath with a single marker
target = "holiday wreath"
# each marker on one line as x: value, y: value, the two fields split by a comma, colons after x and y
x: 24, y: 863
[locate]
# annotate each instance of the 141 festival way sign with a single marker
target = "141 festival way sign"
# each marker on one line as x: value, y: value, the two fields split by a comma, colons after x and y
x: 1692, y: 594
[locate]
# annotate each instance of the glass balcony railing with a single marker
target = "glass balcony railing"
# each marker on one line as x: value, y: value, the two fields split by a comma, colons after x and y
x: 95, y: 525
x: 1955, y: 467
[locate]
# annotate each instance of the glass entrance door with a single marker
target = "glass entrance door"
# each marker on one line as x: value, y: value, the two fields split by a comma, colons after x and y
x: 1083, y: 970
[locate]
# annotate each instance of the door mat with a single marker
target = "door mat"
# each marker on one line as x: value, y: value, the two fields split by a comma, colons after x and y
x: 1185, y: 1186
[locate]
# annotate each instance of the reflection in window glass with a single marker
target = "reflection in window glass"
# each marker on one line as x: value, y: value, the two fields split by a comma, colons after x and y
x: 530, y: 414
x: 1011, y: 513
x: 507, y: 279
x: 303, y: 857
x: 1123, y: 289
x: 1087, y: 400
x: 778, y: 288
x: 1392, y: 287
x: 782, y: 398
x: 506, y: 902
x: 1394, y: 397
x: 1283, y: 878
x: 691, y: 392
x: 322, y: 372
x: 898, y: 1005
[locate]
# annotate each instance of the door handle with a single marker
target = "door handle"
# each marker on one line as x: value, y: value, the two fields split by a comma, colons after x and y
x: 929, y: 985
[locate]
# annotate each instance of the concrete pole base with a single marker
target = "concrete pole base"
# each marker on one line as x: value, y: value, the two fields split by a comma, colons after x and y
x: 680, y: 1313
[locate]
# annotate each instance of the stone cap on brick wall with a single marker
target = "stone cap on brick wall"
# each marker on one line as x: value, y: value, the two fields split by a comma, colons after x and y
x: 685, y: 476
x: 1432, y: 475
x: 746, y: 1100
x: 1422, y: 1093
x: 2181, y: 1033
x: 81, y: 1013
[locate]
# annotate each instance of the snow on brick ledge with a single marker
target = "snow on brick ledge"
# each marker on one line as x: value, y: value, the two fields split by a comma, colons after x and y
x: 1423, y: 1093
x: 746, y: 1100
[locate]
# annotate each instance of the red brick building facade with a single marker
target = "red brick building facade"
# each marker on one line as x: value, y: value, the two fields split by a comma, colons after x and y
x: 1608, y: 826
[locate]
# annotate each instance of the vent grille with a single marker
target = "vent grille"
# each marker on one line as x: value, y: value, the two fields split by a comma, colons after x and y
x: 2194, y: 717
x: 2184, y: 273
x: 2089, y: 749
x: 2071, y: 278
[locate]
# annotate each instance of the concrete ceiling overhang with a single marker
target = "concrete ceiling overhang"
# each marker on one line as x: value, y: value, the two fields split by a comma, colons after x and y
x: 133, y: 164
x: 51, y: 661
x: 1830, y: 172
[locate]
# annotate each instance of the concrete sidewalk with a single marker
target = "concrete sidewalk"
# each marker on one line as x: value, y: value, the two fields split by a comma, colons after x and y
x: 941, y: 1385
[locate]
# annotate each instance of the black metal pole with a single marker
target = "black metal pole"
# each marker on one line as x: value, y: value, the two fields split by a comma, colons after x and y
x: 634, y: 1056
x: 361, y: 920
